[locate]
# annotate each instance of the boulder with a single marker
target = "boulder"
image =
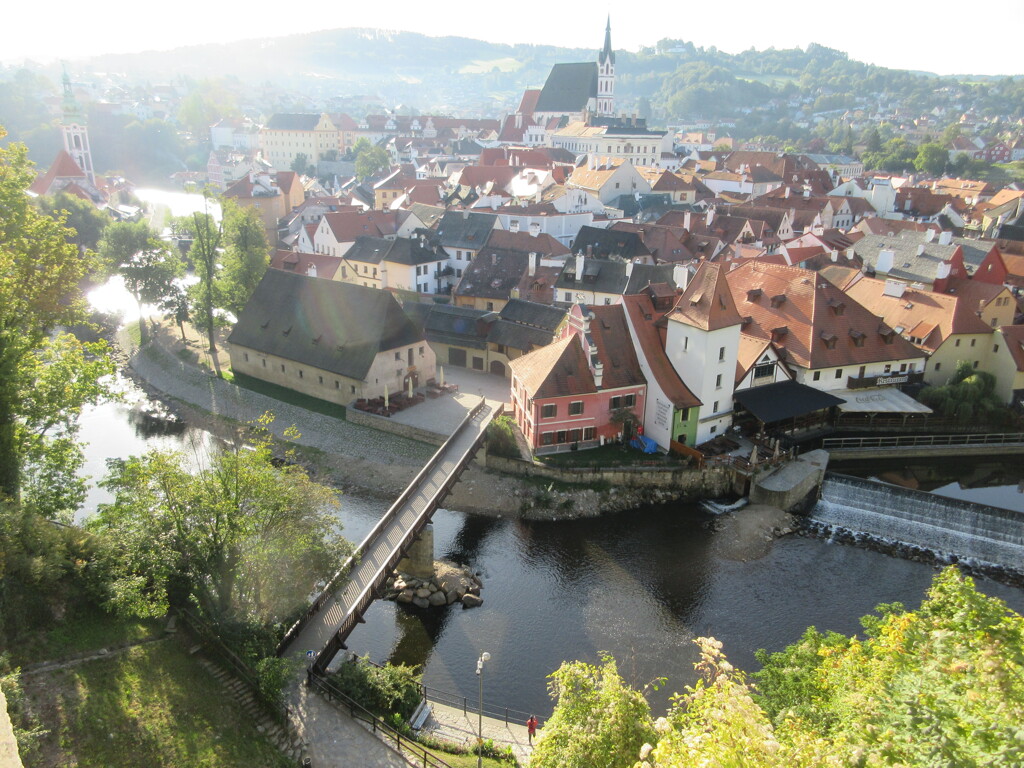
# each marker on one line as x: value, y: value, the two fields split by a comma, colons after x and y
x: 451, y: 596
x: 421, y: 602
x: 438, y: 599
x: 471, y: 601
x: 405, y: 596
x: 423, y: 592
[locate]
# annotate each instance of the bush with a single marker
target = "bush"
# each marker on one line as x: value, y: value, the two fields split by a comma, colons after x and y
x: 501, y: 438
x: 393, y: 688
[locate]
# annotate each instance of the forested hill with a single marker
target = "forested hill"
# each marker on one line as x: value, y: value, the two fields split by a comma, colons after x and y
x: 677, y: 78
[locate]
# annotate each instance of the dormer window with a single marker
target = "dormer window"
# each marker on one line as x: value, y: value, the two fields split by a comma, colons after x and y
x: 778, y: 301
x: 754, y: 295
x: 778, y: 334
x: 858, y: 338
x: 830, y: 339
x: 837, y: 306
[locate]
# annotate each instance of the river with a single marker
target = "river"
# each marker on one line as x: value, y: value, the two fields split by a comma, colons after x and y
x: 640, y: 584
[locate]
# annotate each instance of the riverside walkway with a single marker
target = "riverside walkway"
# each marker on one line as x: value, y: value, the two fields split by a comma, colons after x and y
x: 339, y: 608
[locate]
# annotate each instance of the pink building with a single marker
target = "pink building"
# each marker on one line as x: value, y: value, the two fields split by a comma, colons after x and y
x: 584, y: 389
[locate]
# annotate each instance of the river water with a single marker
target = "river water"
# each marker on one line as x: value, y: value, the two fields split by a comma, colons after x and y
x: 640, y: 584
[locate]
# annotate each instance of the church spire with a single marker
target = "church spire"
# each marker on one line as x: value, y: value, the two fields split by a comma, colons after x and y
x: 607, y: 54
x: 76, y: 137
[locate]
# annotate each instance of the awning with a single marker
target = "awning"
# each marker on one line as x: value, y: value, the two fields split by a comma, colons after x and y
x: 879, y: 400
x: 784, y: 400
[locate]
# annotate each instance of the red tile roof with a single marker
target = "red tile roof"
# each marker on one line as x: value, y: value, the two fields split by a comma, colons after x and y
x: 63, y: 167
x: 707, y: 303
x: 558, y: 370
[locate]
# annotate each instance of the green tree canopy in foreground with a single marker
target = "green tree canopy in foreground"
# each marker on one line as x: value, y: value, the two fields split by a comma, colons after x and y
x: 939, y: 686
x: 40, y: 273
x: 370, y: 159
x: 240, y: 537
x: 246, y: 256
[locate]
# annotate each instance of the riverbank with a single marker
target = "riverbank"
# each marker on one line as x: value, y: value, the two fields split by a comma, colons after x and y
x: 179, y: 372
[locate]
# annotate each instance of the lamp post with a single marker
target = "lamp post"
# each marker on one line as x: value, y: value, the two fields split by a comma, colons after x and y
x: 485, y: 656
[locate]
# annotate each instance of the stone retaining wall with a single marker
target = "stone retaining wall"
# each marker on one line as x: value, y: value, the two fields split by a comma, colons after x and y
x: 385, y: 424
x: 710, y: 482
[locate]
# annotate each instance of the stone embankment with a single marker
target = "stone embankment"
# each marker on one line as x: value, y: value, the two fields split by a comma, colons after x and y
x: 450, y: 584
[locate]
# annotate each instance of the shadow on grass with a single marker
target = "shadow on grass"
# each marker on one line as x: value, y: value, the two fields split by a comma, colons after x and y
x: 290, y: 396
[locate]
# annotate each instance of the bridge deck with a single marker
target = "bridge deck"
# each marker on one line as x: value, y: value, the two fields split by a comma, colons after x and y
x: 384, y: 546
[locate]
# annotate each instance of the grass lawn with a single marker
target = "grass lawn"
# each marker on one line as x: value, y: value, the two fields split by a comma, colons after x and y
x: 609, y: 456
x: 151, y: 705
x: 469, y: 761
x: 289, y: 396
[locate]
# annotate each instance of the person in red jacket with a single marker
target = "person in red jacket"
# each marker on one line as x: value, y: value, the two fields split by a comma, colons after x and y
x: 531, y: 728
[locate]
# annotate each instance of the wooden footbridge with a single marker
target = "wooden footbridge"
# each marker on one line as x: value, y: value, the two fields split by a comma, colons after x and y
x: 336, y: 611
x: 915, y: 446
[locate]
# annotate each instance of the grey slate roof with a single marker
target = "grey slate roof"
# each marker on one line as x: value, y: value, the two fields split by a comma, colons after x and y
x: 474, y: 328
x: 568, y: 88
x: 542, y: 316
x: 493, y: 274
x: 465, y: 229
x: 609, y: 276
x: 912, y: 266
x: 293, y: 122
x: 402, y: 250
x: 610, y: 242
x: 337, y: 327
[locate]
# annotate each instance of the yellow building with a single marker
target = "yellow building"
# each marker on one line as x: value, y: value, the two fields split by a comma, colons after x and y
x: 286, y: 136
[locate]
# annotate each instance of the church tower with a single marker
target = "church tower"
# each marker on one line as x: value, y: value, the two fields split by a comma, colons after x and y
x: 606, y: 75
x: 76, y: 137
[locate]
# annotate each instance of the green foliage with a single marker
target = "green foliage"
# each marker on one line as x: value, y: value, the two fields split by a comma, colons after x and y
x: 384, y: 691
x: 501, y: 438
x: 245, y: 259
x: 81, y: 216
x: 896, y: 155
x: 204, y: 295
x: 599, y: 721
x: 273, y: 675
x: 371, y: 159
x: 242, y: 538
x: 968, y: 396
x: 942, y: 685
x: 28, y: 731
x: 931, y: 159
x: 302, y: 166
x: 40, y: 273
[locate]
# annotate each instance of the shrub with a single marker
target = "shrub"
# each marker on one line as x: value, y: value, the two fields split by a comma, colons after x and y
x: 393, y: 688
x: 501, y: 438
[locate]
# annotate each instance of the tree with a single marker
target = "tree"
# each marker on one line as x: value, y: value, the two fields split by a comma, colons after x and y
x: 968, y: 396
x: 942, y: 685
x: 148, y: 267
x: 599, y: 721
x: 246, y: 256
x: 81, y: 216
x: 370, y: 159
x: 239, y: 537
x: 40, y: 273
x: 931, y: 159
x: 205, y: 248
x: 302, y: 166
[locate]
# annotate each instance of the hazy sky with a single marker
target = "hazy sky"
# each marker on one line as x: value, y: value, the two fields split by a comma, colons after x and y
x: 938, y: 36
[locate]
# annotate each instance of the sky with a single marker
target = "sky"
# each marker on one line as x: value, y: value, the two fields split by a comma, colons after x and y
x: 938, y: 36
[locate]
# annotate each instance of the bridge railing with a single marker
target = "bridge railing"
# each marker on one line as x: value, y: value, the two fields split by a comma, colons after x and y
x: 342, y: 573
x: 403, y: 744
x: 369, y: 592
x: 913, y: 441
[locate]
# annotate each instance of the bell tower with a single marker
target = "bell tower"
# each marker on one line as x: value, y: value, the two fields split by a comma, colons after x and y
x: 606, y: 75
x: 76, y: 137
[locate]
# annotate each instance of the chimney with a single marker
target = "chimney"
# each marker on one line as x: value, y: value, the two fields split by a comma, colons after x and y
x: 710, y: 217
x: 519, y: 119
x: 465, y: 213
x: 942, y: 270
x: 629, y: 268
x: 513, y: 226
x: 807, y: 192
x: 591, y: 161
x: 835, y: 255
x: 945, y: 238
x: 788, y: 190
x: 920, y: 249
x: 680, y: 276
x: 686, y: 221
x: 531, y: 268
x: 598, y: 373
x: 579, y: 267
x: 929, y: 236
x: 885, y: 261
x: 590, y: 250
x: 534, y: 228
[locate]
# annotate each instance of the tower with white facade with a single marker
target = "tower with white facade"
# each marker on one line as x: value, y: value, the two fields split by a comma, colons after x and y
x: 606, y: 75
x: 76, y: 137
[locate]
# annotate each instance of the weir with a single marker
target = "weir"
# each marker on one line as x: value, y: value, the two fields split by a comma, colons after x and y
x: 946, y: 526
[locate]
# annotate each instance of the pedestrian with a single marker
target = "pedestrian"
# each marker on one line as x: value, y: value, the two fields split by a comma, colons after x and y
x: 531, y: 728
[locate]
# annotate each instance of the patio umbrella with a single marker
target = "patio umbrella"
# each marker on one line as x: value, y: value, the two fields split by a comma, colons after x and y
x: 440, y: 368
x: 386, y: 405
x: 410, y: 387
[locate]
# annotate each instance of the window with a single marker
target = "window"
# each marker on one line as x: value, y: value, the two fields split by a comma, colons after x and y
x: 490, y: 306
x: 264, y: 361
x: 478, y: 363
x: 973, y: 342
x: 246, y: 356
x: 568, y: 296
x: 718, y: 381
x: 976, y: 363
x: 588, y: 433
x: 714, y: 429
x: 321, y: 378
x: 628, y: 401
x: 615, y: 403
x: 686, y: 343
x: 957, y: 343
x: 839, y: 373
x: 887, y: 368
x: 938, y: 366
x: 300, y: 373
x: 714, y: 408
x: 547, y: 438
x: 576, y: 408
x: 721, y: 354
x: 398, y: 356
x: 548, y: 411
x: 560, y: 436
x: 995, y: 348
x: 609, y: 301
x: 764, y: 369
x: 282, y: 367
x: 903, y: 367
x: 421, y: 351
x: 817, y: 376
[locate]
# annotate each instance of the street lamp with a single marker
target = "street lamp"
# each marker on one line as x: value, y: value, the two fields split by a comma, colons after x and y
x: 485, y: 656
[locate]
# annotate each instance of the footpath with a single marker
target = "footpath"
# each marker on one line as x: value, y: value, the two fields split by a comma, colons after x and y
x: 331, y: 737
